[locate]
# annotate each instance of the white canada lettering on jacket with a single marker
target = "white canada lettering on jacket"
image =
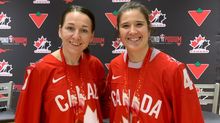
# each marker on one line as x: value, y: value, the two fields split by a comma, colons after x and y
x: 146, y: 103
x: 91, y: 94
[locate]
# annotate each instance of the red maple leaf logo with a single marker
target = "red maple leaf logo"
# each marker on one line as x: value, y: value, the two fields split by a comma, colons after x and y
x: 38, y: 43
x: 154, y: 14
x: 116, y: 43
x: 2, y: 15
x: 197, y: 41
x: 2, y: 64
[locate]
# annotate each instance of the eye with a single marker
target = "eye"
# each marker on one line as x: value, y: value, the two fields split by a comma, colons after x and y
x: 139, y: 24
x: 84, y: 31
x: 125, y: 26
x: 69, y: 28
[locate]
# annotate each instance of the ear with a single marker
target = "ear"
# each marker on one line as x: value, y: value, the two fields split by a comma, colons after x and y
x: 92, y: 37
x: 59, y: 31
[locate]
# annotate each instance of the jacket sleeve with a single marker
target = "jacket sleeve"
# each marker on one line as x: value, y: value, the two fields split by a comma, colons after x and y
x: 185, y: 102
x: 30, y: 99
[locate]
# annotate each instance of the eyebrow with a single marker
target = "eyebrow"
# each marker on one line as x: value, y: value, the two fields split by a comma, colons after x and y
x: 72, y: 24
x: 141, y: 21
x: 135, y: 21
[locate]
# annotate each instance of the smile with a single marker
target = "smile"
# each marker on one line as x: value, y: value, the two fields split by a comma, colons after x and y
x: 75, y: 43
x: 134, y: 39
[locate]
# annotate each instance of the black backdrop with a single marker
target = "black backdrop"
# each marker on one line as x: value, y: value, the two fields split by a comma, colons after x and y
x: 180, y: 27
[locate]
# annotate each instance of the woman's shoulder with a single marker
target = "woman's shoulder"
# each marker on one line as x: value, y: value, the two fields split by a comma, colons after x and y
x: 92, y: 59
x: 119, y: 59
x: 167, y: 59
x: 46, y: 63
x: 165, y: 62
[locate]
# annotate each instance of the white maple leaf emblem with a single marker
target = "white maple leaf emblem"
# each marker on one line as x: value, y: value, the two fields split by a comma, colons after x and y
x: 90, y: 116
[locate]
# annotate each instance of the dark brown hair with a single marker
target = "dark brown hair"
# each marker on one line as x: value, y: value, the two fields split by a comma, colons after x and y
x: 134, y: 5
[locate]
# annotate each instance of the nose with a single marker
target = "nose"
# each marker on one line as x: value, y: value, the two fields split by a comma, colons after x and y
x: 76, y: 35
x: 133, y: 29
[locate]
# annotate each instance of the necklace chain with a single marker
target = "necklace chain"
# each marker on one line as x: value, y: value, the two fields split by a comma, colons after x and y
x: 77, y: 95
x: 134, y: 104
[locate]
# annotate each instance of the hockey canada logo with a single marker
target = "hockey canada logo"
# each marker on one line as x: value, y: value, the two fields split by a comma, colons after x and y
x: 42, y: 45
x: 5, y: 68
x: 4, y: 21
x: 199, y: 45
x: 197, y: 69
x: 120, y: 1
x: 3, y: 2
x: 163, y: 39
x: 41, y: 2
x: 112, y: 17
x: 199, y: 15
x: 11, y: 40
x: 119, y: 47
x: 38, y: 18
x: 157, y: 18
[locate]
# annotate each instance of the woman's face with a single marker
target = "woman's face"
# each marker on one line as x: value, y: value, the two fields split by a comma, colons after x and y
x: 133, y: 30
x: 76, y: 32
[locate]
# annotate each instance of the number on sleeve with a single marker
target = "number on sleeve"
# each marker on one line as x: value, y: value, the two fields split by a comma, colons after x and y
x: 26, y: 80
x: 187, y: 81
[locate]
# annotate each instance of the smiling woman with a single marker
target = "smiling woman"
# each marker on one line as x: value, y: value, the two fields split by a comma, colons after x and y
x: 66, y: 85
x: 144, y: 84
x: 76, y: 32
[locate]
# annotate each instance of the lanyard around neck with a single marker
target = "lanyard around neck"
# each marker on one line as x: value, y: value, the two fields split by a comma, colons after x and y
x: 136, y: 96
x: 77, y: 103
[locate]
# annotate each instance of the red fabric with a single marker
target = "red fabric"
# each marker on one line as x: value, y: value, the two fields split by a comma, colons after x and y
x: 167, y: 94
x: 43, y: 101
